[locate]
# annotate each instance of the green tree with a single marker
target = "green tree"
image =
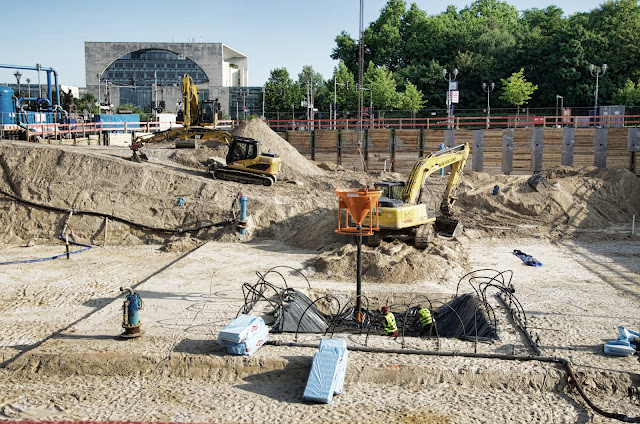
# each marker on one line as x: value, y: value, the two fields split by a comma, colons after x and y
x: 383, y: 87
x: 280, y: 92
x: 517, y: 90
x: 628, y: 95
x: 345, y: 93
x: 82, y: 103
x: 128, y: 107
x: 411, y: 99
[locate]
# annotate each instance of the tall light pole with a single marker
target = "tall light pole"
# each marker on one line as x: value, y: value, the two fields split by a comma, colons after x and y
x: 450, y: 76
x: 488, y: 89
x: 28, y: 87
x: 597, y: 71
x: 18, y: 75
x: 335, y: 96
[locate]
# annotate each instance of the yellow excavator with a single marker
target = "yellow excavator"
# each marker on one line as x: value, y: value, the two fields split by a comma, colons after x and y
x: 399, y: 213
x: 199, y: 120
x: 244, y: 161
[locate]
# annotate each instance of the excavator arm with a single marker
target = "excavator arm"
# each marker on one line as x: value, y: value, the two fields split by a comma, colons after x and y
x: 454, y: 156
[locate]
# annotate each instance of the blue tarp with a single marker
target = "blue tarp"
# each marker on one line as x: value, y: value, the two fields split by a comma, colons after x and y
x: 529, y: 260
x: 241, y: 328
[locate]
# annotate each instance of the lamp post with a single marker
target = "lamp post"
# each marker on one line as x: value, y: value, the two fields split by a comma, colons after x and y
x: 99, y: 75
x: 18, y: 75
x: 335, y: 96
x: 488, y: 89
x: 597, y: 71
x: 561, y: 106
x: 450, y: 76
x: 28, y: 87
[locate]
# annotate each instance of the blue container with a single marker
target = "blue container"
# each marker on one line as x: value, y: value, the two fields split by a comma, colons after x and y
x: 7, y: 107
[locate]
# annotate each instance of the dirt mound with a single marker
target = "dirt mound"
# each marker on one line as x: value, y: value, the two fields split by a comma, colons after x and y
x: 294, y: 165
x: 585, y: 198
x: 395, y: 262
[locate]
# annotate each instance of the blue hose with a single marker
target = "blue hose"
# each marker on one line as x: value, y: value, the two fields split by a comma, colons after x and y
x: 86, y: 247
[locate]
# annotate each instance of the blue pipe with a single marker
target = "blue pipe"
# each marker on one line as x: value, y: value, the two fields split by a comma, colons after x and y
x: 132, y: 309
x: 441, y: 148
x: 242, y: 224
x: 24, y: 261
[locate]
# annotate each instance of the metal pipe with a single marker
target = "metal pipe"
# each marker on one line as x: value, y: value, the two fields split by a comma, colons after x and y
x: 554, y: 360
x: 358, y: 315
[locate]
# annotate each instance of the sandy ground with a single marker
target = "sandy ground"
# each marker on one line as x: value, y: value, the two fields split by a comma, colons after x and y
x: 63, y: 358
x: 60, y: 320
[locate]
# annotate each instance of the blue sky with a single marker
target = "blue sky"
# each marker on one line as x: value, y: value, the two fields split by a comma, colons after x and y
x: 273, y: 34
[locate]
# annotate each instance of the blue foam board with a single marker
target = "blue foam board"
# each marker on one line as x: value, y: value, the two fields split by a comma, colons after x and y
x: 241, y: 328
x: 322, y: 377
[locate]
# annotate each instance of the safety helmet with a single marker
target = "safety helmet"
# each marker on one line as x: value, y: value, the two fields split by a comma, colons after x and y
x: 384, y: 309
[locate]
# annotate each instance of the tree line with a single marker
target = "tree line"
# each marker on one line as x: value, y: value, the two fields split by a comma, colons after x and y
x: 408, y: 55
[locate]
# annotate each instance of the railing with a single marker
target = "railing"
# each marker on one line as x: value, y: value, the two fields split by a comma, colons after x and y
x: 459, y: 122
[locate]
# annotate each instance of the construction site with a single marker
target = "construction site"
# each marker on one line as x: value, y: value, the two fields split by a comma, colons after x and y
x: 84, y: 224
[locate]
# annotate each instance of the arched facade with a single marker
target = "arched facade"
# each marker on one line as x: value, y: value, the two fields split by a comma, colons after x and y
x: 145, y: 74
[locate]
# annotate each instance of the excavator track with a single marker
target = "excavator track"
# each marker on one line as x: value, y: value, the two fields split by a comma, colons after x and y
x: 238, y: 176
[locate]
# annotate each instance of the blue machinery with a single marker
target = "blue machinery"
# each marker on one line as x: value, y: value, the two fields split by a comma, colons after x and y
x: 242, y: 222
x: 130, y: 320
x: 44, y: 104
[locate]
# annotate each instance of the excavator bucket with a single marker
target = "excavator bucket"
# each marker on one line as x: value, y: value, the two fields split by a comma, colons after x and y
x: 448, y: 227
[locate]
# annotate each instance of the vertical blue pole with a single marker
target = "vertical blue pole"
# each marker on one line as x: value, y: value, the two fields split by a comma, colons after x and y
x: 441, y: 148
x: 243, y: 215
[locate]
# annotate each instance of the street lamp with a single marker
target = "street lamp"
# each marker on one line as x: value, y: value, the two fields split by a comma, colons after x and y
x: 28, y: 87
x: 335, y: 96
x: 597, y: 71
x: 18, y: 75
x: 488, y: 89
x: 450, y: 76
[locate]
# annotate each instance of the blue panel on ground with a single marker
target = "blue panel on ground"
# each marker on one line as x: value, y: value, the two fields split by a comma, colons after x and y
x: 338, y: 346
x: 249, y: 346
x: 241, y: 328
x: 322, y: 377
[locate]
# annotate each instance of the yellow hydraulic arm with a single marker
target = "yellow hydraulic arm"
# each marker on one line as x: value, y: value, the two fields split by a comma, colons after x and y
x: 454, y: 156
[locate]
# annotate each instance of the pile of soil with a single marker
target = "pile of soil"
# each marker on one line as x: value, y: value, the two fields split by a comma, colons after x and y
x: 577, y: 199
x: 174, y: 191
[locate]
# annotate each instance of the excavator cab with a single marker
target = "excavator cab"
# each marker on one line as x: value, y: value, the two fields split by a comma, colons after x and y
x: 391, y: 193
x: 242, y: 148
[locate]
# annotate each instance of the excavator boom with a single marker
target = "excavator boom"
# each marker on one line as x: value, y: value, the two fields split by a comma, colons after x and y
x: 400, y: 213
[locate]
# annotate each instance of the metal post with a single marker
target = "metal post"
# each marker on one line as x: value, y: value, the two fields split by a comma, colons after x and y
x: 359, y: 278
x: 597, y: 71
x: 488, y: 89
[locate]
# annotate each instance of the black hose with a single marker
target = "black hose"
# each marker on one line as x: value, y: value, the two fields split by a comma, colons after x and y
x: 118, y: 219
x: 548, y: 359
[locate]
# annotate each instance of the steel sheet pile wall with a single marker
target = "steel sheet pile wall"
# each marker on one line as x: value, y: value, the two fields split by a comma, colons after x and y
x: 527, y: 148
x: 617, y: 154
x: 521, y: 150
x: 326, y: 146
x: 583, y: 152
x: 552, y: 151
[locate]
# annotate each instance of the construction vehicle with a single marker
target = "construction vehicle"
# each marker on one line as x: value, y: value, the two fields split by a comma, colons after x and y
x: 399, y: 213
x: 199, y: 121
x: 244, y: 161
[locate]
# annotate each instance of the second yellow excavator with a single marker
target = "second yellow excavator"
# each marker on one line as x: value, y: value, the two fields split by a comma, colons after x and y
x: 199, y: 119
x: 400, y: 214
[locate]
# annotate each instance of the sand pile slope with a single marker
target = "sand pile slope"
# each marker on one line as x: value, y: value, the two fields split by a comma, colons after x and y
x: 303, y: 214
x: 578, y: 199
x: 294, y: 165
